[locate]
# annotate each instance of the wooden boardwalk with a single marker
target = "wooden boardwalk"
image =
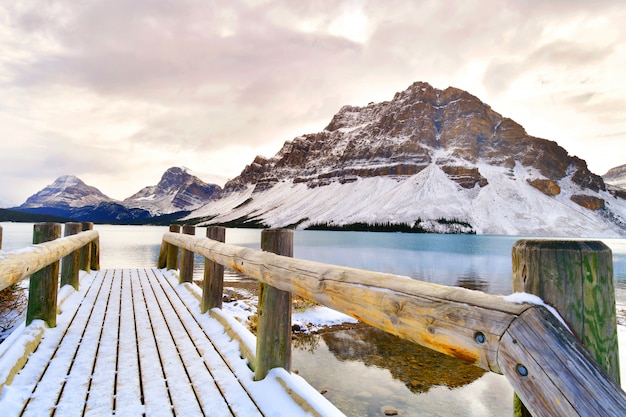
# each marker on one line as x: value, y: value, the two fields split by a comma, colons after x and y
x: 106, y: 359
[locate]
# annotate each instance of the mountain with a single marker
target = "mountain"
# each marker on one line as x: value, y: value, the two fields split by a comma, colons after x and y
x: 616, y: 176
x: 178, y: 190
x: 69, y: 197
x: 615, y: 180
x: 436, y: 160
x: 66, y: 191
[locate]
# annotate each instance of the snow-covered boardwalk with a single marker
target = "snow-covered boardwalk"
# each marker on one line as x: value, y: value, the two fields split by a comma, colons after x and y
x: 131, y: 342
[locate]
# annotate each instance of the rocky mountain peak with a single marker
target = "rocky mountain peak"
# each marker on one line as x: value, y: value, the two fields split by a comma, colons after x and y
x: 177, y: 190
x: 616, y: 176
x: 420, y: 126
x: 66, y: 191
x: 431, y: 159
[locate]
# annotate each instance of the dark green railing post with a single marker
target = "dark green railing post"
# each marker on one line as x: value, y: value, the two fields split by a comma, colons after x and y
x: 576, y: 278
x: 44, y: 284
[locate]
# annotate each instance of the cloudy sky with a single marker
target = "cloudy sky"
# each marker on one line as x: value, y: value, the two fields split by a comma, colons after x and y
x: 117, y: 91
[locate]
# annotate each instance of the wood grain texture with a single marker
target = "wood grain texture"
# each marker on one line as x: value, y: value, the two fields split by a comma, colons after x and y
x: 274, y: 311
x: 85, y: 251
x: 562, y: 377
x: 186, y: 258
x: 44, y: 284
x: 70, y: 263
x: 213, y: 285
x: 485, y: 330
x: 446, y: 319
x: 172, y: 251
x: 17, y: 265
x: 576, y: 278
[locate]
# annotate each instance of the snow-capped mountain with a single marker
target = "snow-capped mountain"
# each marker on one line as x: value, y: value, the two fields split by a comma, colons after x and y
x: 66, y: 191
x: 439, y: 159
x: 71, y: 198
x: 178, y: 190
x: 616, y: 176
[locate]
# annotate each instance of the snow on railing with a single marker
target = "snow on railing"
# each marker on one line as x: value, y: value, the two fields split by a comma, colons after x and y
x: 550, y: 370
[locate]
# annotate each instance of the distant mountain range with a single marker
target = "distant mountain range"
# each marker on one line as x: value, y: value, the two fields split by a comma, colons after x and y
x: 177, y: 193
x: 429, y: 160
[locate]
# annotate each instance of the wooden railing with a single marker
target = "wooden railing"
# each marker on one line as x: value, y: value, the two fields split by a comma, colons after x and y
x: 550, y: 370
x: 78, y: 250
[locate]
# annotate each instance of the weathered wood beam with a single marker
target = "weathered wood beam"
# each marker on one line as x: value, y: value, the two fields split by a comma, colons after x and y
x: 482, y: 329
x: 19, y: 264
x: 576, y: 278
x: 446, y: 319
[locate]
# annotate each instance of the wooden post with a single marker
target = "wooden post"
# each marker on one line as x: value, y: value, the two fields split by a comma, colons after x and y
x: 273, y: 346
x: 186, y: 258
x: 172, y: 251
x: 576, y: 278
x: 213, y: 285
x: 162, y: 260
x: 0, y: 237
x: 43, y: 287
x: 70, y: 263
x: 95, y: 254
x: 85, y: 252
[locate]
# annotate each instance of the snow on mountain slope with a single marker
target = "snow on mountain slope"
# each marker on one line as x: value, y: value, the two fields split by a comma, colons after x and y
x: 178, y: 190
x: 507, y: 206
x: 616, y: 176
x: 66, y: 191
x: 440, y: 159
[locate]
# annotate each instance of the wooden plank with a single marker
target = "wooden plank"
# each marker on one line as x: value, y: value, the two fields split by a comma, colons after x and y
x: 17, y: 265
x: 183, y: 397
x: 155, y: 393
x: 89, y: 325
x: 229, y: 385
x: 128, y: 399
x: 102, y: 387
x: 51, y: 380
x: 201, y: 381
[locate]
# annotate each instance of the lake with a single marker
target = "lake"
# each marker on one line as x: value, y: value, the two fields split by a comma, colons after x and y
x: 366, y: 372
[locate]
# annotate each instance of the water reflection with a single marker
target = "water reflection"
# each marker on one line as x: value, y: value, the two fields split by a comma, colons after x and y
x: 472, y: 282
x: 367, y: 372
x: 417, y: 367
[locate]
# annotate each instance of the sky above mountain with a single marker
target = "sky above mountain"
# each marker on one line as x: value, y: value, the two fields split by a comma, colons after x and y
x: 116, y: 92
